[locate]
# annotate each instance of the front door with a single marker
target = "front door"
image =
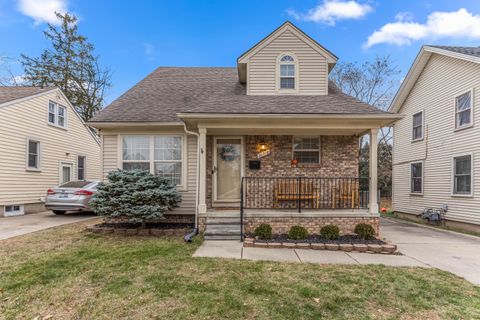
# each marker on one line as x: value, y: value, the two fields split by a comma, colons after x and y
x: 227, y: 169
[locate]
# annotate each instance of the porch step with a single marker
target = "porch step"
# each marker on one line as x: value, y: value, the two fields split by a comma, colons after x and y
x: 222, y: 228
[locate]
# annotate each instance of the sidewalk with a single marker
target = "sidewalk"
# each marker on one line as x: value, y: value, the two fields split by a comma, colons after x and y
x: 235, y: 250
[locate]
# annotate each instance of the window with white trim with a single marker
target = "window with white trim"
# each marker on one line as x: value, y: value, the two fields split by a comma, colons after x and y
x: 463, y: 110
x: 13, y: 210
x: 33, y: 154
x: 416, y: 177
x: 462, y: 175
x: 81, y: 163
x: 57, y: 115
x: 306, y: 149
x: 287, y: 72
x: 417, y: 131
x: 161, y: 155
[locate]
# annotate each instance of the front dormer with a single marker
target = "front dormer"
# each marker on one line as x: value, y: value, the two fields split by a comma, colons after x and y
x: 287, y: 62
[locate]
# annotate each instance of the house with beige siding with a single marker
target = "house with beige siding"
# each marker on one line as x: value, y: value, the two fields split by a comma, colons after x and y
x: 43, y: 143
x: 269, y: 140
x: 436, y: 150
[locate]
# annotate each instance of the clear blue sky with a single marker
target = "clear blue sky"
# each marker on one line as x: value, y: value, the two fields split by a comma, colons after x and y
x: 135, y: 37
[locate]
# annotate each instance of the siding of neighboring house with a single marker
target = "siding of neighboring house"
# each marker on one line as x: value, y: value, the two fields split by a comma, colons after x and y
x: 111, y: 153
x: 262, y: 67
x: 442, y: 79
x: 28, y: 119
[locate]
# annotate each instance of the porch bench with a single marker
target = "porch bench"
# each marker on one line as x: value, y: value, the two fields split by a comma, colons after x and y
x: 287, y: 190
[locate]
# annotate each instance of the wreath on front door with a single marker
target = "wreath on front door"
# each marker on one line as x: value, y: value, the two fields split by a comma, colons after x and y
x: 228, y: 153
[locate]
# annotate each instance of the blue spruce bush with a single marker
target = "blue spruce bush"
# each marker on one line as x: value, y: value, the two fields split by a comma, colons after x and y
x: 135, y: 196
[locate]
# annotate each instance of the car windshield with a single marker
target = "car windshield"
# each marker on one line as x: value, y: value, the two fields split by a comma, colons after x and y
x: 75, y: 184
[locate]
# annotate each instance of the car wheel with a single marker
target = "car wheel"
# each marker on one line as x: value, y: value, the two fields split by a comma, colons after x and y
x: 59, y: 212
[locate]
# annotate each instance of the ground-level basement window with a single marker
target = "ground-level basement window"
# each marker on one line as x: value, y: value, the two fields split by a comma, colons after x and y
x: 462, y: 175
x: 160, y: 154
x: 306, y: 149
x: 416, y: 176
x: 13, y: 210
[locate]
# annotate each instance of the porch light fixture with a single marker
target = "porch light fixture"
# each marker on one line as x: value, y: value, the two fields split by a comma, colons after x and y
x: 263, y: 150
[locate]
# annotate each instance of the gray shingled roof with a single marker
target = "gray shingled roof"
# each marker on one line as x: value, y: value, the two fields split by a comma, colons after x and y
x: 11, y: 93
x: 471, y: 51
x: 168, y: 91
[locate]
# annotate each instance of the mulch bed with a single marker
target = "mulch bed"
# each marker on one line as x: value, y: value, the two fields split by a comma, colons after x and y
x: 158, y: 229
x: 349, y: 238
x: 347, y: 243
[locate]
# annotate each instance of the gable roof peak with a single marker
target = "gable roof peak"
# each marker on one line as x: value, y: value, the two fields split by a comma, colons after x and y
x: 287, y: 25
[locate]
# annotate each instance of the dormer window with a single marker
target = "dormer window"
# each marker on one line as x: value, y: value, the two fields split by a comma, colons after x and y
x: 287, y: 67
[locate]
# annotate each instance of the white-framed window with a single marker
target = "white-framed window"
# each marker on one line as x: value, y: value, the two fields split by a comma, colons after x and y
x: 464, y: 110
x: 162, y: 155
x: 417, y: 128
x: 168, y: 158
x: 287, y: 72
x: 416, y: 177
x: 81, y: 167
x: 33, y: 154
x: 462, y: 175
x: 57, y: 115
x: 306, y: 149
x: 13, y: 210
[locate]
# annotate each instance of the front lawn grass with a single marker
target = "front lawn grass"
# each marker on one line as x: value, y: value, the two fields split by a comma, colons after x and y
x: 66, y: 273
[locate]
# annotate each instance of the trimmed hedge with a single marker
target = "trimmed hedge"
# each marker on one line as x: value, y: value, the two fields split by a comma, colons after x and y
x: 263, y: 231
x: 364, y: 231
x: 297, y: 233
x: 330, y: 232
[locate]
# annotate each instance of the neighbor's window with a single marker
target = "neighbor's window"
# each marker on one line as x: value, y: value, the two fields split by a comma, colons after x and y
x: 463, y: 110
x: 287, y: 72
x: 306, y: 149
x: 57, y: 115
x: 416, y: 177
x: 81, y: 161
x: 33, y: 154
x: 462, y: 175
x: 417, y: 133
x: 165, y: 159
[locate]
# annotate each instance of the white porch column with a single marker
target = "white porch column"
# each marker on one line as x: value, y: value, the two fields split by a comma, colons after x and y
x: 202, y: 192
x: 373, y: 185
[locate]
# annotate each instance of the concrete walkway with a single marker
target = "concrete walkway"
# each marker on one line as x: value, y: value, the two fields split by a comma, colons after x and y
x: 235, y: 250
x: 421, y: 246
x: 446, y: 250
x: 16, y: 226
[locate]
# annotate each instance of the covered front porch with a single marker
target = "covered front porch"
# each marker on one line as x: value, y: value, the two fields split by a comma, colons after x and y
x: 285, y: 170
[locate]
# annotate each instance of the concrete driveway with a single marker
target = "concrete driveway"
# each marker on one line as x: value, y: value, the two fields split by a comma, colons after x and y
x: 449, y: 251
x: 16, y: 226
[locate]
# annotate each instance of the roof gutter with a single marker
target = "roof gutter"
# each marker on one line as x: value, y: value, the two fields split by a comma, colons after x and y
x: 114, y: 124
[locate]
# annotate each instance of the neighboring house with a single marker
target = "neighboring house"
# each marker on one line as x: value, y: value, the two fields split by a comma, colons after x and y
x: 436, y: 150
x: 43, y: 143
x: 264, y: 138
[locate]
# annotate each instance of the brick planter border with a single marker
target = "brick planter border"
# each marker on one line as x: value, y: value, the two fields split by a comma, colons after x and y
x: 152, y: 232
x: 387, y: 248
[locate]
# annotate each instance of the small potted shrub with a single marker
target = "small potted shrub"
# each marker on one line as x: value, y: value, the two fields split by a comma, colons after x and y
x: 330, y: 232
x: 297, y: 233
x: 364, y: 231
x: 263, y: 231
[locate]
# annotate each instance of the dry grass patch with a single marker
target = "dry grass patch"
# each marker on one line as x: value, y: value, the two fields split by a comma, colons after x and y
x: 70, y: 274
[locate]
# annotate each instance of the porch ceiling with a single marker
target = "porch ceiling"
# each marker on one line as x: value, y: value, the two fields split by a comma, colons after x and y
x: 330, y: 124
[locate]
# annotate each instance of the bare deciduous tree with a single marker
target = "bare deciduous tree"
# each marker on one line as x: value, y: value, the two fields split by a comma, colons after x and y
x: 374, y: 82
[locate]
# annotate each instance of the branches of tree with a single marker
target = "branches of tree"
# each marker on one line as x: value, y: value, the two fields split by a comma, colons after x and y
x: 374, y: 82
x: 70, y: 64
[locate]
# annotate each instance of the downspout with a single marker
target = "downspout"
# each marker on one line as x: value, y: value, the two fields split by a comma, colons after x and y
x: 189, y: 236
